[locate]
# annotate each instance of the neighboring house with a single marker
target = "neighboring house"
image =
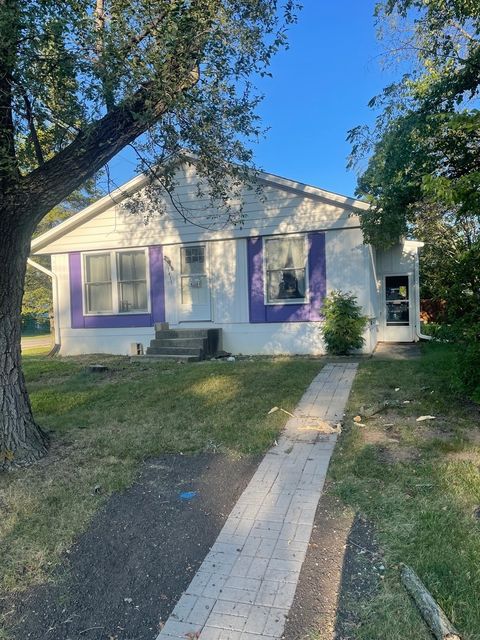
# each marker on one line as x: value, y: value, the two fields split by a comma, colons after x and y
x: 261, y: 282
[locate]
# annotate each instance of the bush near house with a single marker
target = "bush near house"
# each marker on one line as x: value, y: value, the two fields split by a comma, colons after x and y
x: 344, y: 324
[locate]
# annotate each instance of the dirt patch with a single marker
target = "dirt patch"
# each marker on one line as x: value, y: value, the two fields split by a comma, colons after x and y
x: 392, y: 454
x: 436, y: 433
x: 374, y: 436
x: 473, y: 436
x: 464, y: 456
x: 125, y: 574
x: 340, y: 571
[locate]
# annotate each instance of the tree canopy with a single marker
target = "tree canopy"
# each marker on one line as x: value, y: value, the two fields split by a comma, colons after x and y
x: 425, y: 143
x: 423, y: 171
x: 82, y: 79
x: 177, y: 72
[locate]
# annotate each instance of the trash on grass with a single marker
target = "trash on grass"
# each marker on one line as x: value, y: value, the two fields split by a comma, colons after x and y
x: 322, y: 427
x: 423, y: 418
x: 273, y: 409
x: 357, y: 419
x: 187, y: 495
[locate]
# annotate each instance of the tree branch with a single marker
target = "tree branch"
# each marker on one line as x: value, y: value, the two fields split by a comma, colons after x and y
x: 31, y: 125
x: 94, y: 147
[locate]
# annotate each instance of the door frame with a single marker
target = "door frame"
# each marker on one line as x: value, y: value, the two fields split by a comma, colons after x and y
x: 403, y: 333
x: 184, y: 316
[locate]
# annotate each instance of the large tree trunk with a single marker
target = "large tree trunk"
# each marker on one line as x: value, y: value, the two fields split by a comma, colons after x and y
x: 22, y: 441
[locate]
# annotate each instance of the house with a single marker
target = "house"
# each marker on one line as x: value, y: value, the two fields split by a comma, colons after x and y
x: 199, y: 285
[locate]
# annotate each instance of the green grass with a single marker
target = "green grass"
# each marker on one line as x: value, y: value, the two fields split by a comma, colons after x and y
x: 419, y: 484
x: 103, y: 425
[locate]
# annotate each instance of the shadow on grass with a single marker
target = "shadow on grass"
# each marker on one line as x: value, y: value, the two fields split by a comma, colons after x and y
x: 103, y: 426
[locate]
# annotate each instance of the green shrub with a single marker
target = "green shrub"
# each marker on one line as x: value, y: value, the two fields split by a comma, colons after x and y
x: 344, y: 324
x: 468, y: 359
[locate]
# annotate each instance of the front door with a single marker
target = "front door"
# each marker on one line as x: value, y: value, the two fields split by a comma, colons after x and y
x: 194, y: 284
x: 398, y: 310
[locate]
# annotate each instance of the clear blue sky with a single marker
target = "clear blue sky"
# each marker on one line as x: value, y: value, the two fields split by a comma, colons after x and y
x: 320, y: 89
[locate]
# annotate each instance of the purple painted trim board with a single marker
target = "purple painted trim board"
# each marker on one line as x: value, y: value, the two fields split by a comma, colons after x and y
x: 118, y: 321
x: 261, y: 312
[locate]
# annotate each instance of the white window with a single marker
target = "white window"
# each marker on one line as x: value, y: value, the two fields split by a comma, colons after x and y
x: 132, y: 281
x: 98, y: 283
x: 286, y: 276
x: 115, y: 282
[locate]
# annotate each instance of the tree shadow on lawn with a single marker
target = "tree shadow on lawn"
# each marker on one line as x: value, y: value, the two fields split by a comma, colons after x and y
x: 126, y: 572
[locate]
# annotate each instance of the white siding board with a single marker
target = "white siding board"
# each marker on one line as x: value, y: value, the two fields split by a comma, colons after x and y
x: 276, y: 211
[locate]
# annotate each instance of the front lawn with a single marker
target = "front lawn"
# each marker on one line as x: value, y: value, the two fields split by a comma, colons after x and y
x: 104, y: 424
x: 419, y: 484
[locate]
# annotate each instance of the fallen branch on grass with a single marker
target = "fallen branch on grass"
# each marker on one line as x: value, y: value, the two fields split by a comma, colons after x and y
x: 432, y: 613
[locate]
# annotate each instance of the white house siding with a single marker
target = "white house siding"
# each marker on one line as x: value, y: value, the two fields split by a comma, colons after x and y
x: 275, y: 211
x: 282, y: 207
x: 348, y: 267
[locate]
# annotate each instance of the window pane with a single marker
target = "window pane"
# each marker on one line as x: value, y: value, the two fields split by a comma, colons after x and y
x: 98, y: 268
x: 285, y: 253
x: 397, y: 302
x: 132, y: 296
x: 99, y: 297
x: 398, y: 313
x: 396, y: 287
x: 286, y: 284
x: 193, y: 259
x: 131, y: 265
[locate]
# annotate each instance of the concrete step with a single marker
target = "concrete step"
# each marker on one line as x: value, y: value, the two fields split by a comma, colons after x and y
x: 175, y: 351
x: 166, y: 357
x: 191, y: 343
x: 184, y: 333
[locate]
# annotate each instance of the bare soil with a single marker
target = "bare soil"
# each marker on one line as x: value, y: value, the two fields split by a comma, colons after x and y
x: 341, y: 570
x: 126, y: 573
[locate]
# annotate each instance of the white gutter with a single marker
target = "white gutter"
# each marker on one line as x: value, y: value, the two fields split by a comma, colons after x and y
x: 56, y: 314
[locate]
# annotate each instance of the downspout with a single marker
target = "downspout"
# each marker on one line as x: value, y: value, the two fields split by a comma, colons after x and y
x: 56, y: 314
x: 418, y: 324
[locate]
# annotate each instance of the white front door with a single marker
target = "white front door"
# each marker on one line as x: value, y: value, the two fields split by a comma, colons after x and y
x: 194, y: 284
x: 398, y: 310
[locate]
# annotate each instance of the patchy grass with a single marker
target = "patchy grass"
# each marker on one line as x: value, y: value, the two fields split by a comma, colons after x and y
x: 104, y: 424
x: 419, y: 484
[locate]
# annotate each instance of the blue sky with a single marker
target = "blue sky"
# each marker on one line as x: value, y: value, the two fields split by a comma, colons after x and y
x: 320, y: 89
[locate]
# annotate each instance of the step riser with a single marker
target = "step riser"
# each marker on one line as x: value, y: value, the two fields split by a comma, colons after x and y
x: 176, y: 334
x: 190, y: 343
x: 174, y: 351
x: 165, y: 358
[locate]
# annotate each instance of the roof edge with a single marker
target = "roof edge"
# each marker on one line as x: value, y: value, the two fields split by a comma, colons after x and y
x: 136, y: 183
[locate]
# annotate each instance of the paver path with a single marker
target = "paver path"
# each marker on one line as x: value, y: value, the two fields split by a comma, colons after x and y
x: 246, y: 584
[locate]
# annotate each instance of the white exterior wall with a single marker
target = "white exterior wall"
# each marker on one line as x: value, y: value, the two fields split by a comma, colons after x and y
x: 348, y: 267
x: 284, y: 207
x: 276, y: 211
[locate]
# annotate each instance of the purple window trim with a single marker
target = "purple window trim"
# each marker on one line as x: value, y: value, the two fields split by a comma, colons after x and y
x: 317, y: 285
x: 118, y: 321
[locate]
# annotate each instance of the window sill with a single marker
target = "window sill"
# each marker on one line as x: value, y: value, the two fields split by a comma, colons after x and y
x: 288, y: 301
x: 100, y: 314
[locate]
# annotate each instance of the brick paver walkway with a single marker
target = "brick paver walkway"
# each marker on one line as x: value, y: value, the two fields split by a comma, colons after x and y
x: 245, y: 587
